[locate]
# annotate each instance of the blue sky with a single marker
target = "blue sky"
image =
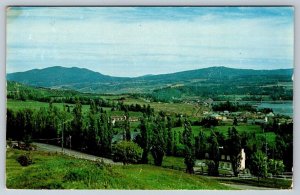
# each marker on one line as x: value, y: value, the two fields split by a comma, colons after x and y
x: 134, y: 41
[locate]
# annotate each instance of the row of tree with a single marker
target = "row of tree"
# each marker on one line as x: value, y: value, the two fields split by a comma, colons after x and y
x: 93, y: 133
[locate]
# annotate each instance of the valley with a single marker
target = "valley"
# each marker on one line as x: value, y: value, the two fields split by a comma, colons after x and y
x: 178, y: 114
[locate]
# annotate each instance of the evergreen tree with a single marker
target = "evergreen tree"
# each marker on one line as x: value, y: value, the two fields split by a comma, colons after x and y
x: 214, y: 152
x: 93, y: 107
x: 92, y: 131
x: 144, y: 140
x: 189, y: 153
x: 170, y: 142
x: 105, y: 135
x: 234, y: 149
x: 157, y: 142
x: 201, y: 145
x: 77, y: 126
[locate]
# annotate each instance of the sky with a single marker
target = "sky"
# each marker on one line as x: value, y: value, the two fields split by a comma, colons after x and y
x: 135, y: 41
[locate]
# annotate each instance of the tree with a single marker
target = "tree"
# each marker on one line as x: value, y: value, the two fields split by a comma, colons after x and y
x: 157, y: 141
x: 258, y: 166
x: 201, y: 145
x: 77, y: 125
x: 178, y: 123
x: 127, y: 152
x: 92, y: 132
x: 105, y: 134
x: 144, y: 142
x: 24, y: 123
x: 214, y: 153
x: 170, y: 142
x: 234, y: 149
x: 189, y: 153
x: 93, y: 107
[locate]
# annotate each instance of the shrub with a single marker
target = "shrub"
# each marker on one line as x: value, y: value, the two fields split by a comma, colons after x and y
x: 275, y: 167
x: 127, y: 152
x: 25, y: 160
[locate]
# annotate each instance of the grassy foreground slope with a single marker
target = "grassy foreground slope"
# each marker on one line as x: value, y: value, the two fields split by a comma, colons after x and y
x: 55, y: 171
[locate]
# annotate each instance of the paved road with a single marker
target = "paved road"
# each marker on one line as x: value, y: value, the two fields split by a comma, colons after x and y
x: 76, y: 154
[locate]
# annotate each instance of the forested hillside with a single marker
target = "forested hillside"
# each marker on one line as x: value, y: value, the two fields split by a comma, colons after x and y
x: 219, y: 83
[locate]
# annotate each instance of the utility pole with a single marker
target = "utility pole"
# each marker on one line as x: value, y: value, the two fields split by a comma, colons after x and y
x: 62, y: 134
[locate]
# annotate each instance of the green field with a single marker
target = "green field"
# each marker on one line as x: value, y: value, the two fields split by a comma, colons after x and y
x: 248, y: 128
x: 35, y: 105
x: 55, y: 171
x: 171, y: 108
x: 224, y: 130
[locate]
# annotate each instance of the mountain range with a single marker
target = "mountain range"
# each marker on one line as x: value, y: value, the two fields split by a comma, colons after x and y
x: 85, y: 80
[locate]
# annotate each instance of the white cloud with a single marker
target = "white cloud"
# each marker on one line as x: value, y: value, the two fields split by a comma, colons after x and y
x: 147, y: 46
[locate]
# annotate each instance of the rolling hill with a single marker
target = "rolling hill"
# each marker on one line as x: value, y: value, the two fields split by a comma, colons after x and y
x: 189, y: 82
x: 58, y: 76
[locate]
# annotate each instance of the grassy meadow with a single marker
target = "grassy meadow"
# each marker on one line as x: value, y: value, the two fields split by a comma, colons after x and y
x: 56, y: 171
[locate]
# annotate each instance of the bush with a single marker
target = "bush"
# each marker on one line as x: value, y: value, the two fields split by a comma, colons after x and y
x: 127, y: 152
x: 275, y: 167
x: 25, y: 160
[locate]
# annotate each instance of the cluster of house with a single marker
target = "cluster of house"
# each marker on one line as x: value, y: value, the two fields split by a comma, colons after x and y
x: 249, y: 117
